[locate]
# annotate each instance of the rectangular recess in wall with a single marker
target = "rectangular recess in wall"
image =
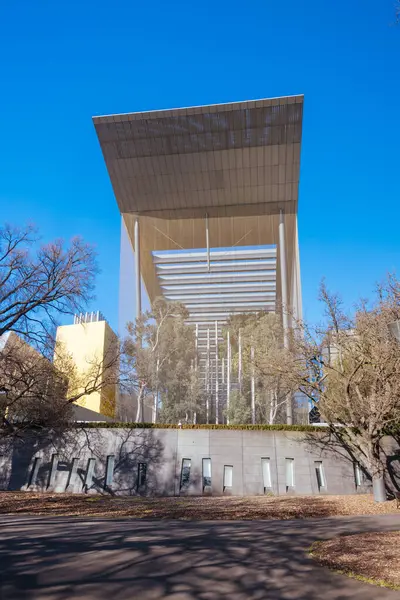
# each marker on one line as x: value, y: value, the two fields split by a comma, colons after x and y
x: 289, y: 473
x: 319, y: 472
x: 206, y: 473
x: 89, y: 473
x: 53, y: 471
x: 35, y: 470
x: 185, y: 473
x: 72, y: 474
x: 266, y: 474
x: 228, y: 477
x: 141, y: 475
x: 109, y: 470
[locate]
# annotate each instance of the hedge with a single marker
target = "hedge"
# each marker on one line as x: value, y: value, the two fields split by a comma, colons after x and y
x: 122, y: 425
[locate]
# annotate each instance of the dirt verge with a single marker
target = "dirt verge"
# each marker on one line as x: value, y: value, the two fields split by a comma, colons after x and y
x: 370, y: 557
x: 194, y: 507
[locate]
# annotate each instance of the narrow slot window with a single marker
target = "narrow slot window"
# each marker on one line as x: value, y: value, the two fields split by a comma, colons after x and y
x: 35, y: 470
x: 142, y: 475
x: 319, y: 472
x: 185, y: 473
x: 206, y: 472
x: 358, y: 475
x: 109, y: 470
x: 73, y: 472
x: 289, y: 473
x: 228, y: 477
x: 53, y: 471
x: 89, y: 473
x: 266, y: 473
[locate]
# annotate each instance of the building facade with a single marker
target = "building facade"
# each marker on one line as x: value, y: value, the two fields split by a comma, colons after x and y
x: 90, y: 344
x: 208, y: 199
x: 173, y: 462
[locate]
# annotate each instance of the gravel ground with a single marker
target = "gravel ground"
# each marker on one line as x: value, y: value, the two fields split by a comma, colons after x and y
x: 193, y: 508
x: 373, y: 557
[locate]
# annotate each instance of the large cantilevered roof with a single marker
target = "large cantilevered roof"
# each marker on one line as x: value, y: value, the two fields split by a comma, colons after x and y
x: 177, y: 163
x: 201, y: 191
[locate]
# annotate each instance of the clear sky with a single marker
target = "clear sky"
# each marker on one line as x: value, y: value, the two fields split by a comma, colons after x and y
x: 62, y: 62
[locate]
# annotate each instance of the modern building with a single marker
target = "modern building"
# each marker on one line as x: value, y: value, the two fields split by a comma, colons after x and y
x: 90, y: 343
x: 31, y: 378
x: 208, y: 197
x: 31, y: 388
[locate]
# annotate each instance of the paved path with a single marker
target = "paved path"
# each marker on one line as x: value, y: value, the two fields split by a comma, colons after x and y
x: 60, y: 558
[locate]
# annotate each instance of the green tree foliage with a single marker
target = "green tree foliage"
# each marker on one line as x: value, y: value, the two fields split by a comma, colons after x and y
x: 239, y: 412
x: 260, y: 337
x: 160, y: 358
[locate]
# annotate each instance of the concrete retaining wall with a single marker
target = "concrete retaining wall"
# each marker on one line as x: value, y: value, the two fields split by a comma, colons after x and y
x: 84, y: 460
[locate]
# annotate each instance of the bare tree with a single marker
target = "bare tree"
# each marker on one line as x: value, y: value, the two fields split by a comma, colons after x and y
x: 36, y: 392
x: 99, y: 373
x: 32, y: 390
x: 350, y: 368
x: 38, y: 283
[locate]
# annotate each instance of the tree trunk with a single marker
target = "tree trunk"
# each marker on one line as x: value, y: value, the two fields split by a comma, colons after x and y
x: 379, y: 489
x: 137, y: 420
x: 139, y: 410
x: 377, y: 474
x: 273, y: 407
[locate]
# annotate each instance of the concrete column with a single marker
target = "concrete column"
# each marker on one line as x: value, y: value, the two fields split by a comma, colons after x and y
x: 208, y: 378
x: 196, y: 366
x: 216, y: 375
x: 296, y: 304
x: 137, y: 269
x: 240, y: 362
x: 228, y: 375
x: 285, y: 301
x: 208, y: 244
x: 138, y: 289
x: 283, y: 267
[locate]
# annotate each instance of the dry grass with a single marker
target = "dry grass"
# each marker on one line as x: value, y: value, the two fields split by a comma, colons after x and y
x: 371, y: 557
x: 192, y: 508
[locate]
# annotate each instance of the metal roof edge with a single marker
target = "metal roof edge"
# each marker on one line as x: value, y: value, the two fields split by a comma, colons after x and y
x: 99, y: 118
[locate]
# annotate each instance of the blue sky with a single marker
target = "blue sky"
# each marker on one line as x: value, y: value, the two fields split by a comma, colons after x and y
x: 63, y: 62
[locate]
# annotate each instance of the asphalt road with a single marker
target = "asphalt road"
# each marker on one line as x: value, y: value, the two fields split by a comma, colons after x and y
x: 61, y: 558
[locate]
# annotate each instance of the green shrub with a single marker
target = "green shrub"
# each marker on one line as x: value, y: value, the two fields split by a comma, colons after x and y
x: 281, y: 427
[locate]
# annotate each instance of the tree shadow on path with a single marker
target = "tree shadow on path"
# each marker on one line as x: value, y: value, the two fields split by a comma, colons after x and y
x: 62, y: 558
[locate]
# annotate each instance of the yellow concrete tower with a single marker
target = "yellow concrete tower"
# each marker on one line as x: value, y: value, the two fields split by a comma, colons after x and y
x: 90, y: 343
